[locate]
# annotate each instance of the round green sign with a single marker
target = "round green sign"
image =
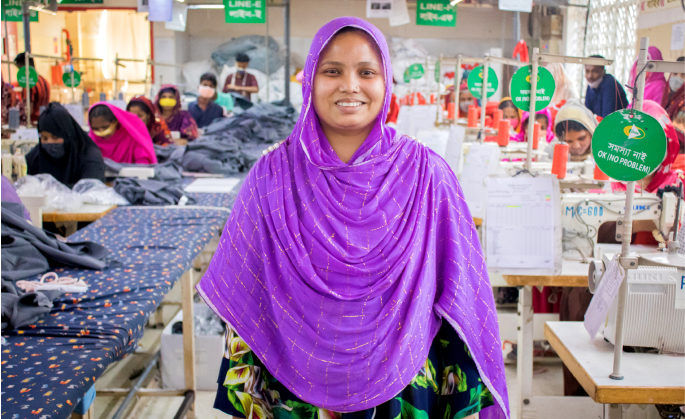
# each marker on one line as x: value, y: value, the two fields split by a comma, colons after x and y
x: 21, y: 77
x: 475, y: 82
x: 520, y: 88
x: 66, y: 78
x: 414, y: 71
x: 629, y: 145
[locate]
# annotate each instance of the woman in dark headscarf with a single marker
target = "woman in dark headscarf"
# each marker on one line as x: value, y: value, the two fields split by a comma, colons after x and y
x: 350, y: 272
x: 65, y: 151
x: 168, y: 105
x: 145, y: 110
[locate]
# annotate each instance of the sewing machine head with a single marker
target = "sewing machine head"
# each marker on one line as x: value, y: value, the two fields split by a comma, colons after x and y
x: 582, y: 214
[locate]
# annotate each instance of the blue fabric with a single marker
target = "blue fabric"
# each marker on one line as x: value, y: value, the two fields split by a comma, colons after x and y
x: 206, y: 117
x: 609, y: 97
x: 47, y: 367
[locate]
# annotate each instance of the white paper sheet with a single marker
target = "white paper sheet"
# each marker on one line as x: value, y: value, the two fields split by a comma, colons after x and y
x: 378, y: 9
x: 435, y: 140
x: 481, y: 161
x: 454, y: 151
x: 678, y: 36
x: 519, y: 222
x: 212, y: 185
x: 516, y: 5
x: 400, y: 13
x: 607, y: 290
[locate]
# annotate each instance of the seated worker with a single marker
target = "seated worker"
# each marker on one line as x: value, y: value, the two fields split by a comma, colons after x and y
x: 512, y: 113
x: 64, y: 150
x: 604, y: 93
x: 168, y: 105
x: 466, y: 99
x: 145, y: 110
x: 204, y: 110
x: 121, y: 135
x: 575, y: 125
x: 544, y: 118
x: 241, y: 82
x: 40, y: 93
x: 11, y: 100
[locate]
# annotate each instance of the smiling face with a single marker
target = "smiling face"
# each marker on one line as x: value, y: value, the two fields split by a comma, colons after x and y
x: 349, y: 85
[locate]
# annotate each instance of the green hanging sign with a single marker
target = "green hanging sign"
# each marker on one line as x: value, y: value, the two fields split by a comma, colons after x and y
x: 21, y: 77
x: 475, y: 82
x: 436, y: 13
x: 66, y: 79
x: 414, y: 71
x: 629, y: 145
x: 520, y: 88
x: 11, y: 12
x: 245, y: 11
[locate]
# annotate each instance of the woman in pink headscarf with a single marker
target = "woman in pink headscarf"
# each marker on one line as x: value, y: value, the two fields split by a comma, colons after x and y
x: 655, y: 83
x: 121, y: 135
x: 544, y: 118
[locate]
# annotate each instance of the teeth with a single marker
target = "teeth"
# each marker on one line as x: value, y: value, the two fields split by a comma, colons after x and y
x: 350, y: 104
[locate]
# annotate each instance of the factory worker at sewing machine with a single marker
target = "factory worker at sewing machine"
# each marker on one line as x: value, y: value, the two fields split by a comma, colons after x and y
x: 575, y: 125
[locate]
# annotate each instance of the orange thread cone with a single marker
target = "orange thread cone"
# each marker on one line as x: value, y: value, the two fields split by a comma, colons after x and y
x: 559, y: 160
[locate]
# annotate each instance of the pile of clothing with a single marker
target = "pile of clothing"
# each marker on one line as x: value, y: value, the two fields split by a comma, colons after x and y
x: 262, y: 123
x: 151, y: 192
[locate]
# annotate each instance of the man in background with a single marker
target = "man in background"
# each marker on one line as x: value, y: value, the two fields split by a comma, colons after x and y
x: 241, y: 82
x: 604, y: 94
x: 40, y: 93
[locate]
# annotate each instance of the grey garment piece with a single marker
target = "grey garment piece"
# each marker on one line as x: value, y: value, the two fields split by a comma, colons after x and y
x: 150, y: 192
x: 166, y: 171
x: 18, y: 262
x: 21, y: 309
x: 262, y: 123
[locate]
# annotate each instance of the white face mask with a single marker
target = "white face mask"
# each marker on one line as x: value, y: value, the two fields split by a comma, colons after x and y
x: 595, y: 84
x: 675, y: 82
x: 464, y: 106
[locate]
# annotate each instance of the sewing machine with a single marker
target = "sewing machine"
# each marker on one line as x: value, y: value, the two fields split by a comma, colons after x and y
x: 583, y: 213
x: 655, y: 302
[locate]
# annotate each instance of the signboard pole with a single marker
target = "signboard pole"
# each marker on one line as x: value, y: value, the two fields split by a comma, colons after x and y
x: 438, y: 117
x: 484, y: 98
x: 26, y: 20
x: 457, y: 82
x: 286, y: 36
x: 27, y: 58
x: 626, y: 261
x: 531, y: 109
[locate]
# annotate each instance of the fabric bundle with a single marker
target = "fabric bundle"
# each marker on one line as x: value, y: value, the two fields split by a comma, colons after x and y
x: 150, y: 192
x: 28, y: 250
x: 262, y: 123
x: 23, y: 308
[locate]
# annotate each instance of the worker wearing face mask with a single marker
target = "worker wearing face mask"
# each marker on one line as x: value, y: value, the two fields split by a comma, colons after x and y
x: 674, y: 101
x: 204, y: 110
x: 241, y: 81
x: 604, y: 93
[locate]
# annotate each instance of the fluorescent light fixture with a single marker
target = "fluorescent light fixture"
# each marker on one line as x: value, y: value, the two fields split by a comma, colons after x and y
x: 454, y: 2
x: 205, y: 6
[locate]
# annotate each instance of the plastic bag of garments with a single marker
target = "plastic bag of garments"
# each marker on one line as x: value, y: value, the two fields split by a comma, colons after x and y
x: 193, y: 70
x: 254, y: 46
x: 93, y: 191
x: 59, y: 196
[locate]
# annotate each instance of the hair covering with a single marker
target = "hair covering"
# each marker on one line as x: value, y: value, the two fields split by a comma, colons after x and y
x: 158, y: 129
x: 520, y: 113
x: 574, y: 110
x: 655, y: 83
x: 664, y: 174
x: 549, y: 134
x: 131, y: 143
x: 337, y: 275
x: 564, y: 88
x: 179, y: 120
x: 82, y: 158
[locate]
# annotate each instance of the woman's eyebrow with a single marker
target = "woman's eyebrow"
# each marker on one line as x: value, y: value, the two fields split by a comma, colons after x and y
x: 338, y: 63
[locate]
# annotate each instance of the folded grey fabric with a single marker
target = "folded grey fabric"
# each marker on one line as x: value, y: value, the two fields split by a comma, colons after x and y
x: 150, y: 192
x: 21, y: 309
x: 165, y: 171
x: 28, y: 250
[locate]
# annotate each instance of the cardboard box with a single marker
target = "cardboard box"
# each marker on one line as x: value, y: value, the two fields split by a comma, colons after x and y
x: 208, y: 353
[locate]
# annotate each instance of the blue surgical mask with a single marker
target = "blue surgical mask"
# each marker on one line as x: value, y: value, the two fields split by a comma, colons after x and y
x: 241, y: 71
x: 56, y: 151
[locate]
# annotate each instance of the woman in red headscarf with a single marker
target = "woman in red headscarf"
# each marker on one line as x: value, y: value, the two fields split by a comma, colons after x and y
x: 158, y: 129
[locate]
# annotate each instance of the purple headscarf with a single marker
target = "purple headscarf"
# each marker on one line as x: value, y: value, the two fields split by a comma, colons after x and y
x: 338, y: 275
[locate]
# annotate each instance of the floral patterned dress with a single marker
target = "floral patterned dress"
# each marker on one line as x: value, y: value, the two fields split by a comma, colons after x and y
x: 447, y: 387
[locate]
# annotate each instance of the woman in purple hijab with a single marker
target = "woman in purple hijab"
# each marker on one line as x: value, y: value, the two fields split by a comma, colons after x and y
x: 349, y: 273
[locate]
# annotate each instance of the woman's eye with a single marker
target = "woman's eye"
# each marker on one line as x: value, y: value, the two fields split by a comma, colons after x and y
x: 331, y: 71
x: 368, y: 72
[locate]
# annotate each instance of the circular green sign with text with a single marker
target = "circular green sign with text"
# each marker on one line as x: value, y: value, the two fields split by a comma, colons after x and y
x: 21, y: 77
x: 414, y: 71
x: 66, y: 78
x: 475, y: 82
x: 520, y: 88
x: 629, y: 145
